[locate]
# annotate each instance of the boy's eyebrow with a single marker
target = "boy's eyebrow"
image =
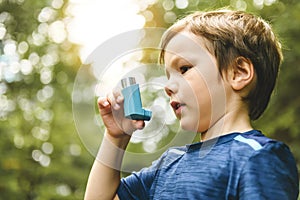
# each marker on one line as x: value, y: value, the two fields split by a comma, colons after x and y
x: 179, y: 60
x: 174, y: 59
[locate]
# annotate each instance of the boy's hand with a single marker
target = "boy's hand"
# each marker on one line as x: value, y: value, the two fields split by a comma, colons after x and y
x: 112, y: 113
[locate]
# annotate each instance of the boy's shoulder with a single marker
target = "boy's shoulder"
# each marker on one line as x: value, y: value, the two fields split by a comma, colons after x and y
x: 265, y: 162
x: 255, y: 141
x: 236, y: 146
x: 259, y: 154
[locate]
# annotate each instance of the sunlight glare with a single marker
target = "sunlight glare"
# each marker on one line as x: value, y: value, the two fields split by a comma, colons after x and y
x: 93, y: 21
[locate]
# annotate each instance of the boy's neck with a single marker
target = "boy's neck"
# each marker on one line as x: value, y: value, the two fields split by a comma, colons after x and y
x: 228, y: 123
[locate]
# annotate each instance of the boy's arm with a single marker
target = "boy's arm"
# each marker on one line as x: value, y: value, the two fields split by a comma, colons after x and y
x: 104, y: 177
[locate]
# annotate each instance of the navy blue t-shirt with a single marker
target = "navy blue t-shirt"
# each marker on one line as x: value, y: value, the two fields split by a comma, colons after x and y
x: 234, y: 166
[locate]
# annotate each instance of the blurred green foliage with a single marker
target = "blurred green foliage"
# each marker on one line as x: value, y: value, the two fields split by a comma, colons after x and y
x: 42, y: 156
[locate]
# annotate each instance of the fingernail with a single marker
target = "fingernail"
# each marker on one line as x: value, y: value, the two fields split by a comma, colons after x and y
x: 105, y: 103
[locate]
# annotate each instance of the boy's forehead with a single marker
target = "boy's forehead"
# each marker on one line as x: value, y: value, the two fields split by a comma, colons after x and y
x: 185, y: 41
x: 186, y: 45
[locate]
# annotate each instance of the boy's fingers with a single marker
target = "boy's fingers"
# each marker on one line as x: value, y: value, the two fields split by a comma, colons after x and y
x: 120, y: 99
x: 112, y: 100
x: 139, y: 124
x: 102, y: 102
x: 104, y: 106
x: 118, y: 95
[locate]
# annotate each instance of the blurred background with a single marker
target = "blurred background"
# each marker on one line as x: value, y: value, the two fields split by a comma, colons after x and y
x: 44, y: 43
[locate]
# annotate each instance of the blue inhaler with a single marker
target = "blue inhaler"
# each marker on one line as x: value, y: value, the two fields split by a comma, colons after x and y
x: 132, y: 101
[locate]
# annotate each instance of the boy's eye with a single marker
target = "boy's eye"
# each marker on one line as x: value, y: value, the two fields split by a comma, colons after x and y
x: 184, y: 69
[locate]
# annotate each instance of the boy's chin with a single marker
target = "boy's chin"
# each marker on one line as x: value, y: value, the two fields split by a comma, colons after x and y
x: 189, y: 127
x: 192, y: 127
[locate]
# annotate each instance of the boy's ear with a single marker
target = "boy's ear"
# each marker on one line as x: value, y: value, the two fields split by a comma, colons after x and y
x: 242, y: 73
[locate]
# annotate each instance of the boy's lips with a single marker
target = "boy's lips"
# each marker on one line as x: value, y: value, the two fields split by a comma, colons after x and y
x: 177, y: 107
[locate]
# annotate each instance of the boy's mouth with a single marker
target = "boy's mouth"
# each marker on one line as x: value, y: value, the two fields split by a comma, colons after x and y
x: 177, y: 107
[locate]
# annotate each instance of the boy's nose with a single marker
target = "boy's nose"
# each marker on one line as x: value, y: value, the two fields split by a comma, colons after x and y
x: 168, y: 91
x: 171, y: 88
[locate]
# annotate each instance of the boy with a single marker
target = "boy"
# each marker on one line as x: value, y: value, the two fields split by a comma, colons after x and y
x: 221, y: 67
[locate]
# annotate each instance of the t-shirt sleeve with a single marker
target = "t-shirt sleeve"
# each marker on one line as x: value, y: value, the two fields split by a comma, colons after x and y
x: 138, y: 184
x: 271, y: 173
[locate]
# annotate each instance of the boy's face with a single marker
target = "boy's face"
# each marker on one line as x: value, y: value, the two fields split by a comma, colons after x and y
x: 195, y: 87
